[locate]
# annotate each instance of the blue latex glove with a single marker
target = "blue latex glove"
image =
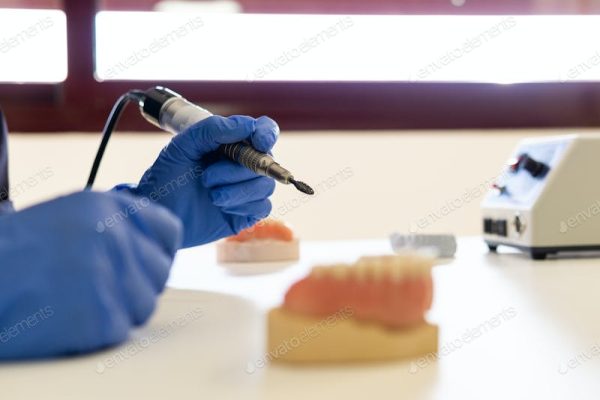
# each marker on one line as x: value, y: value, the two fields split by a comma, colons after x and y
x: 214, y: 198
x: 77, y: 273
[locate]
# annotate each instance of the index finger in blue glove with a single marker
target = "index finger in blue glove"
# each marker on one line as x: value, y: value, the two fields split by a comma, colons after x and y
x: 243, y: 192
x: 226, y: 172
x: 256, y: 209
x: 207, y: 135
x: 265, y: 134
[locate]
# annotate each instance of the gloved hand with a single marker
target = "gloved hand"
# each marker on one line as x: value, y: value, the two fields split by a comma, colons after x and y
x: 213, y: 198
x: 78, y: 272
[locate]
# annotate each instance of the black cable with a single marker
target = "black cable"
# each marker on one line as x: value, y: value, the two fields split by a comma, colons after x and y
x: 4, y: 186
x: 111, y: 122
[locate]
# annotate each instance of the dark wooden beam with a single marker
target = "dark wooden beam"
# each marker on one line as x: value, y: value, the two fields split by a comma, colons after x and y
x: 341, y: 105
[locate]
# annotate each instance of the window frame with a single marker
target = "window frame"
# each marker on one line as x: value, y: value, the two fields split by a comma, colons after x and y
x: 81, y: 103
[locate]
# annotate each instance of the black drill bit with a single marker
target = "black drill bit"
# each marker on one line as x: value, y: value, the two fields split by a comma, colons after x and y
x: 301, y: 186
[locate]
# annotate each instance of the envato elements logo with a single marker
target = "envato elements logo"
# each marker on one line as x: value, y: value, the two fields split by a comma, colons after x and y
x: 584, y: 66
x: 579, y: 359
x: 452, y: 205
x: 27, y: 323
x: 141, y: 203
x: 155, y: 336
x: 581, y: 217
x: 469, y: 46
x: 9, y: 43
x: 306, y: 46
x: 309, y: 333
x: 27, y: 184
x: 154, y: 47
x: 321, y: 188
x: 468, y: 337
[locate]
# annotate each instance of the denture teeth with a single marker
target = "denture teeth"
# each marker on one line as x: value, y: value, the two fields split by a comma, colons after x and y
x: 367, y: 270
x: 426, y: 264
x: 397, y: 271
x: 396, y: 267
x: 406, y: 264
x: 389, y: 268
x: 421, y: 265
x: 401, y: 265
x: 379, y: 269
x: 319, y: 272
x: 359, y: 272
x: 373, y: 267
x: 372, y: 261
x: 340, y: 271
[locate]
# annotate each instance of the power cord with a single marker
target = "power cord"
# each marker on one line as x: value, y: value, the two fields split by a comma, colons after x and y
x: 111, y: 122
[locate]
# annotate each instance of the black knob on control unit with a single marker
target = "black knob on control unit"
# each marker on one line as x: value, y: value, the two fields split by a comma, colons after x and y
x: 535, y: 168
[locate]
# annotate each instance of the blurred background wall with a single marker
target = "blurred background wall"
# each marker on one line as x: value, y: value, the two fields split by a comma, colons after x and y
x: 368, y: 185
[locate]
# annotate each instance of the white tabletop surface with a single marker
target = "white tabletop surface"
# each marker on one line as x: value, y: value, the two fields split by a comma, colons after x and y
x: 510, y: 328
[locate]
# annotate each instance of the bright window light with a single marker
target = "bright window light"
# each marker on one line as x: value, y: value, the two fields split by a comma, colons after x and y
x: 253, y: 47
x: 214, y: 6
x: 33, y: 45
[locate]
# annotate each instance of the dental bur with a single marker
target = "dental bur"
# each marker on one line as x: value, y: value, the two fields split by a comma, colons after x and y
x: 169, y: 111
x: 262, y: 164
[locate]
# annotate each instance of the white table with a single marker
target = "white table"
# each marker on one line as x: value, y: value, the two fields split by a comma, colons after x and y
x: 511, y: 328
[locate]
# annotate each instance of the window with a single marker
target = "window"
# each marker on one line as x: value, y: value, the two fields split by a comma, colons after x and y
x: 243, y: 47
x: 33, y: 46
x: 311, y: 64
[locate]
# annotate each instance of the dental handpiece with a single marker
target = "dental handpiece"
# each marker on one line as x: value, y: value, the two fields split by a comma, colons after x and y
x: 169, y: 111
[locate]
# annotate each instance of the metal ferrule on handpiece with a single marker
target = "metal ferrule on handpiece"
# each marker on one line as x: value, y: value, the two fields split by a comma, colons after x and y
x: 260, y: 163
x: 178, y: 114
x: 169, y: 111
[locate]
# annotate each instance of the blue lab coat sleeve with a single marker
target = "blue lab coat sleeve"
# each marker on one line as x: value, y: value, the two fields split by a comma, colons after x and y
x: 77, y: 273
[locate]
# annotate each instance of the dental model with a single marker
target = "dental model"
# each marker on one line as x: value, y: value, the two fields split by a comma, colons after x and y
x: 372, y: 310
x: 268, y: 240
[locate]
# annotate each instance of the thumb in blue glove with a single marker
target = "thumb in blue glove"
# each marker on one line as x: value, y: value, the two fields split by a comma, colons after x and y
x: 214, y: 197
x: 68, y: 287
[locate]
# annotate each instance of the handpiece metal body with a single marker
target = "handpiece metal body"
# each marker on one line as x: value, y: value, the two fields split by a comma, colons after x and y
x: 171, y: 112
